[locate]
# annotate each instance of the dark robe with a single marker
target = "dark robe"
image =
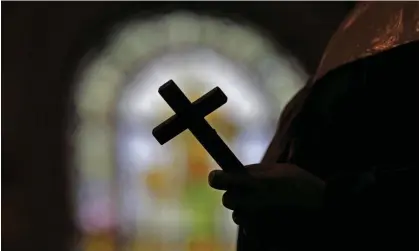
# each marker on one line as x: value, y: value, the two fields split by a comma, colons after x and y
x: 355, y: 126
x: 356, y: 129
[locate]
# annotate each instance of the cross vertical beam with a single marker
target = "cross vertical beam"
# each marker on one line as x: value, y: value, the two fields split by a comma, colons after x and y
x: 192, y: 116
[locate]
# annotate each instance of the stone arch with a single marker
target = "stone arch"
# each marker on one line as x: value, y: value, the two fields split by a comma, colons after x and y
x: 103, y: 76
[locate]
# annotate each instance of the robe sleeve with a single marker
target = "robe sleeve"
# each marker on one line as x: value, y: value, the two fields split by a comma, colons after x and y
x: 280, y: 141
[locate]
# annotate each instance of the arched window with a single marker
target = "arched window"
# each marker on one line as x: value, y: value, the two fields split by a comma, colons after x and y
x: 132, y: 193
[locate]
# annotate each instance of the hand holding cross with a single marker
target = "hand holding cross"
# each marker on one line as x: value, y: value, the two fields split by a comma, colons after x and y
x: 192, y: 116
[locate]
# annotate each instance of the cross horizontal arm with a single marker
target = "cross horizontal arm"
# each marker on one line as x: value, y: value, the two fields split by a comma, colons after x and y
x: 191, y: 118
x: 174, y: 125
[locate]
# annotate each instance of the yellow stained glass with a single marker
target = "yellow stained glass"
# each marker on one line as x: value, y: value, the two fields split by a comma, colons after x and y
x: 161, y: 192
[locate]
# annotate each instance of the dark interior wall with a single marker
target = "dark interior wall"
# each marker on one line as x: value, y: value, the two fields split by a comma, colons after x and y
x: 41, y: 45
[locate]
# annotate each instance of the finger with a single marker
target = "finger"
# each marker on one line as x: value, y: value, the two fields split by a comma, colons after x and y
x: 259, y: 170
x: 266, y: 170
x: 248, y: 202
x: 221, y: 180
x: 236, y: 217
x: 246, y: 219
x: 230, y: 201
x: 215, y: 181
x: 234, y: 201
x: 241, y: 218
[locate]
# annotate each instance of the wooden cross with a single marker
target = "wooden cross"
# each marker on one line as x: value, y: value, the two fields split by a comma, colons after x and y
x: 192, y: 116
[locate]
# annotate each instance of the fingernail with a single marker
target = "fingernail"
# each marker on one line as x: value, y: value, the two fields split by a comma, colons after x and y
x: 211, y: 177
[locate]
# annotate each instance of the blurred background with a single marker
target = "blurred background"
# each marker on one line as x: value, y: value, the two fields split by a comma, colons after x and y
x: 153, y: 197
x: 80, y: 168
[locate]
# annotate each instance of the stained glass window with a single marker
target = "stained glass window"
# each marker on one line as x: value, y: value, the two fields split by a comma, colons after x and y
x: 132, y: 193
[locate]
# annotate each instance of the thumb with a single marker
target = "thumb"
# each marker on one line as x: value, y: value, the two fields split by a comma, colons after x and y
x: 221, y: 180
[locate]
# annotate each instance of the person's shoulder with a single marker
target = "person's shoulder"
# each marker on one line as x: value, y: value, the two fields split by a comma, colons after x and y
x: 295, y: 104
x: 365, y: 33
x: 279, y: 141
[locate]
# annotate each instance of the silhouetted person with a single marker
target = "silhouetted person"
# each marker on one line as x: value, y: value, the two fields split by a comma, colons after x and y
x: 340, y: 174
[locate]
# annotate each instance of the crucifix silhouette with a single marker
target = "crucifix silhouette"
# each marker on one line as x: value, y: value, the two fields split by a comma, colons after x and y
x: 192, y: 116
